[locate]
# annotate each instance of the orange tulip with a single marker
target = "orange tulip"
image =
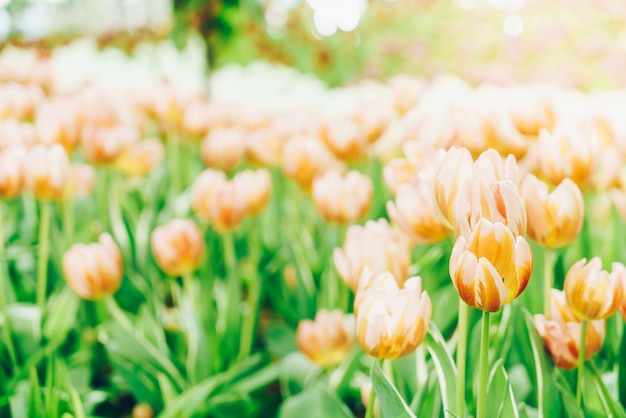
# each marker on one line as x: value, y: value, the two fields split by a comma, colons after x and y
x: 593, y: 293
x: 554, y: 219
x: 47, y: 171
x: 177, y: 247
x: 376, y: 246
x: 490, y: 267
x: 328, y: 339
x: 93, y: 271
x: 305, y: 158
x: 562, y: 333
x: 391, y: 322
x: 218, y: 201
x: 342, y: 199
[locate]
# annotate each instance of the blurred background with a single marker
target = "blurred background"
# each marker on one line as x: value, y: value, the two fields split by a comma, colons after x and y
x: 578, y: 44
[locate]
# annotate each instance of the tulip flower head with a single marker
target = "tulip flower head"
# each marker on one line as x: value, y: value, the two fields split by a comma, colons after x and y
x: 591, y: 292
x: 12, y: 172
x: 490, y: 267
x: 375, y: 246
x: 224, y: 148
x: 342, y: 199
x: 177, y: 247
x: 47, y: 171
x: 93, y: 271
x: 391, y: 322
x: 257, y: 186
x: 554, y: 219
x: 218, y: 201
x: 140, y: 158
x: 328, y: 339
x: 562, y: 333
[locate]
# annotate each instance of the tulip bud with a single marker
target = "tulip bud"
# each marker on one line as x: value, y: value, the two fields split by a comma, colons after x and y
x: 224, y: 148
x: 562, y: 333
x: 93, y: 271
x: 391, y: 322
x: 451, y: 169
x: 554, y: 219
x: 414, y: 212
x: 376, y: 246
x: 177, y: 247
x: 218, y: 201
x: 346, y: 140
x: 47, y: 171
x: 490, y: 267
x: 104, y: 145
x: 12, y: 172
x: 305, y: 158
x: 265, y: 147
x: 565, y: 152
x: 342, y: 199
x: 591, y: 292
x: 499, y: 203
x: 328, y: 339
x: 140, y: 158
x: 257, y: 186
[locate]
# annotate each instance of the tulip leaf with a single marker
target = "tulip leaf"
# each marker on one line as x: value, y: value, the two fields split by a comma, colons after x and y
x: 391, y: 403
x: 295, y: 371
x: 316, y: 401
x: 445, y: 367
x: 62, y: 314
x: 547, y: 392
x: 622, y: 371
x: 596, y: 397
x: 428, y: 401
x: 569, y: 401
x: 500, y: 392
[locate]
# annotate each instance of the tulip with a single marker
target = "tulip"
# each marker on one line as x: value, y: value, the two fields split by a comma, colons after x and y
x: 257, y: 186
x: 328, y: 339
x: 391, y: 322
x: 47, y: 171
x: 224, y: 148
x: 562, y: 333
x: 451, y: 169
x: 346, y: 140
x: 398, y: 172
x: 554, y: 219
x: 375, y: 246
x: 490, y: 267
x: 93, y: 271
x: 342, y: 199
x: 415, y: 213
x: 500, y: 203
x: 265, y: 147
x: 103, y: 146
x: 593, y: 293
x: 305, y: 158
x: 12, y: 172
x: 57, y: 123
x: 565, y: 152
x: 218, y: 201
x: 407, y: 91
x: 177, y: 247
x: 140, y: 158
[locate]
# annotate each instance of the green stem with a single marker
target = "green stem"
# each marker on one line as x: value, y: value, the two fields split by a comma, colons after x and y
x: 42, y: 256
x: 118, y: 314
x: 173, y: 154
x: 233, y: 314
x: 581, y: 364
x: 68, y: 221
x: 4, y: 305
x: 369, y: 411
x: 103, y: 198
x: 188, y: 287
x: 481, y: 409
x: 548, y: 279
x: 461, y: 356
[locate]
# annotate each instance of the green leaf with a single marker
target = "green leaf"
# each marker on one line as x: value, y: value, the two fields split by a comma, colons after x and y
x: 569, y: 401
x: 295, y: 371
x: 501, y: 399
x: 25, y: 323
x: 547, y: 393
x: 391, y: 403
x: 62, y: 314
x: 318, y: 400
x: 622, y: 371
x: 35, y: 402
x: 445, y: 367
x: 596, y: 397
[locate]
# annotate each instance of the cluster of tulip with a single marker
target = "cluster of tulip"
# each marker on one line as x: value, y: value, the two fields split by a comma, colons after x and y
x: 227, y: 226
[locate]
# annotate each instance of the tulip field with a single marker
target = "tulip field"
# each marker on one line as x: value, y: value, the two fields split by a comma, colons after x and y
x: 392, y: 247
